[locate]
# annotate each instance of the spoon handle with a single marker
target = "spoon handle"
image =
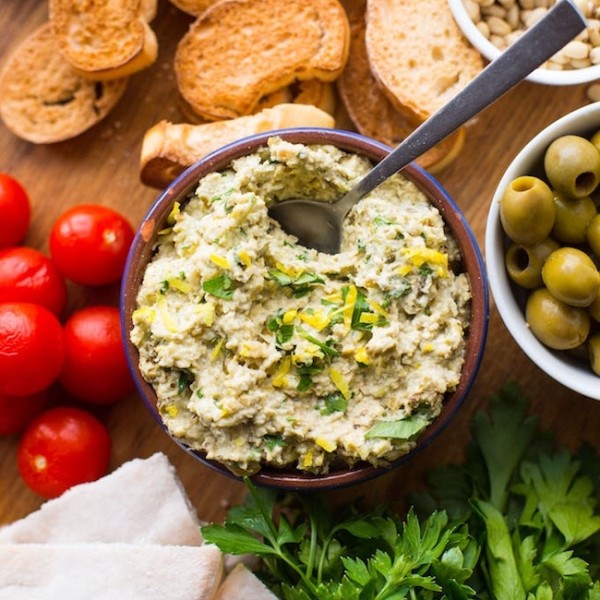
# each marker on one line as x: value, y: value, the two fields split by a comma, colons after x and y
x: 560, y: 25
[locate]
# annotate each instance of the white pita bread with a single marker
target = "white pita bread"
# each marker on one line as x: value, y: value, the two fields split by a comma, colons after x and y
x: 242, y: 584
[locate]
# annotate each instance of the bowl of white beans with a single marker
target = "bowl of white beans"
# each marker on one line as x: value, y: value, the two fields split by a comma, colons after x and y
x: 492, y: 25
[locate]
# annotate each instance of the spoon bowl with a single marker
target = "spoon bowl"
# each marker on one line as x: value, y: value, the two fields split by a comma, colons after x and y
x: 318, y: 224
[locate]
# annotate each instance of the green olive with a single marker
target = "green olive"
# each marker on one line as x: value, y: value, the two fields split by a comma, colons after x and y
x: 573, y: 217
x: 594, y: 352
x: 571, y: 276
x: 592, y: 235
x: 572, y: 165
x: 524, y: 263
x: 594, y: 309
x: 595, y: 140
x: 527, y: 210
x: 554, y: 323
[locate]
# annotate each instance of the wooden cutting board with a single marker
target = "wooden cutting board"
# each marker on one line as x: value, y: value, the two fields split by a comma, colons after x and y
x: 101, y: 166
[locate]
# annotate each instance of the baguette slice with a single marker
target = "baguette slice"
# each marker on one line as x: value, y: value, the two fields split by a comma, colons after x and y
x: 102, y: 42
x: 168, y: 149
x: 369, y: 109
x: 238, y: 51
x: 43, y: 99
x: 193, y: 7
x: 313, y: 91
x: 109, y: 572
x: 418, y: 54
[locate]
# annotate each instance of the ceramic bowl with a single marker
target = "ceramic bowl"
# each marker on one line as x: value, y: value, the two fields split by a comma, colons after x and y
x: 143, y: 247
x: 490, y: 52
x: 509, y: 299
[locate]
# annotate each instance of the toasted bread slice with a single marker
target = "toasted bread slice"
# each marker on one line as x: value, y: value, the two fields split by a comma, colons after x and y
x: 238, y: 51
x: 43, y: 100
x: 318, y: 93
x: 148, y: 9
x: 168, y: 149
x: 418, y: 54
x: 101, y: 42
x: 193, y: 7
x: 369, y: 109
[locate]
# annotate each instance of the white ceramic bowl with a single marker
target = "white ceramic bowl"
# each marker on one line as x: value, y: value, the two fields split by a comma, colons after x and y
x: 490, y: 52
x: 509, y: 299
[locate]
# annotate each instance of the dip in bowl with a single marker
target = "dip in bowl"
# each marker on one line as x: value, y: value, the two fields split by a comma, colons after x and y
x: 266, y: 358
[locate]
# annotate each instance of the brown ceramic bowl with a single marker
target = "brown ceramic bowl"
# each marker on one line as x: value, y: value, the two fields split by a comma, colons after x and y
x: 143, y: 247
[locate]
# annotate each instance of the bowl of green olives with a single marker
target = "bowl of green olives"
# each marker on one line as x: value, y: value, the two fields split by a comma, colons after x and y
x: 542, y: 250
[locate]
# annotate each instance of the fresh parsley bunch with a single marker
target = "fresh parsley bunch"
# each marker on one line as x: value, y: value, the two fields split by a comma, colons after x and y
x: 519, y: 520
x: 532, y: 507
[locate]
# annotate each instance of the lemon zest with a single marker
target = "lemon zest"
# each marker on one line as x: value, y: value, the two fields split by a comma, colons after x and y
x: 220, y: 261
x: 318, y: 320
x: 361, y: 356
x: 289, y: 271
x: 171, y: 410
x: 145, y: 314
x: 179, y: 284
x: 217, y: 350
x: 175, y: 212
x: 378, y: 308
x: 429, y: 347
x: 167, y: 318
x: 206, y: 312
x: 327, y: 445
x: 349, y: 306
x: 279, y: 377
x: 245, y: 258
x: 289, y: 316
x: 307, y: 460
x: 340, y: 382
x: 369, y: 318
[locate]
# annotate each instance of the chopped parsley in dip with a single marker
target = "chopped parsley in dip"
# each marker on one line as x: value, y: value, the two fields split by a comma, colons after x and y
x: 262, y: 351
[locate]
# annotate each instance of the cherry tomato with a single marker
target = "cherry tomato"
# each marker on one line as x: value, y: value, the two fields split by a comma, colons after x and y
x: 90, y: 244
x: 63, y: 447
x: 17, y: 411
x: 26, y: 275
x: 95, y: 368
x: 15, y: 211
x: 31, y: 348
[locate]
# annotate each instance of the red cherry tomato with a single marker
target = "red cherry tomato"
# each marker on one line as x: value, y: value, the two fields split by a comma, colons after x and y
x: 31, y: 348
x: 18, y: 411
x: 95, y: 368
x: 61, y: 448
x: 26, y: 275
x: 90, y: 244
x: 15, y: 211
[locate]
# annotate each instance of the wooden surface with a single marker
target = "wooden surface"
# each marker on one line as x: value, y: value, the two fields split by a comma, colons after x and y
x: 101, y: 166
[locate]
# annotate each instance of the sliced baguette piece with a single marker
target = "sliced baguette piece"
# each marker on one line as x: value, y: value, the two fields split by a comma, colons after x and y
x: 418, y: 54
x: 109, y: 572
x: 313, y: 91
x: 238, y: 51
x: 370, y: 110
x: 193, y: 7
x: 43, y: 99
x: 109, y: 40
x: 168, y: 149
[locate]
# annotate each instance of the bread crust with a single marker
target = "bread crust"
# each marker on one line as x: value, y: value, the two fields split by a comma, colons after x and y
x: 44, y: 100
x: 371, y: 111
x: 193, y: 7
x: 238, y: 51
x: 168, y: 149
x: 104, y: 39
x: 418, y: 54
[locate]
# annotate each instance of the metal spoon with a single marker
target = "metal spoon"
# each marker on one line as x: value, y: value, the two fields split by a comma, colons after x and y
x: 318, y: 224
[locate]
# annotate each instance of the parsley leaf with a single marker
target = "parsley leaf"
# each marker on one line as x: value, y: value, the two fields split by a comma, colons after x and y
x: 220, y: 286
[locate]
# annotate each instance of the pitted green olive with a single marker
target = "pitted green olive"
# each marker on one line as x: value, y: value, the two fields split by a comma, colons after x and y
x: 524, y: 263
x: 594, y: 350
x: 554, y: 323
x: 594, y: 309
x: 527, y: 210
x: 572, y: 165
x: 571, y: 276
x: 573, y: 217
x: 592, y: 235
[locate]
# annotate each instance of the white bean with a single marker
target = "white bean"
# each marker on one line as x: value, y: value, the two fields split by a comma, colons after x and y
x: 593, y: 92
x: 580, y: 63
x: 534, y: 16
x: 576, y: 50
x: 473, y: 10
x: 494, y: 11
x: 484, y: 29
x: 595, y: 56
x: 498, y: 26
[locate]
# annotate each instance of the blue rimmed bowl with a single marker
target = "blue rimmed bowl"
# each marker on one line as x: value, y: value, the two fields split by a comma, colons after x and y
x: 178, y: 191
